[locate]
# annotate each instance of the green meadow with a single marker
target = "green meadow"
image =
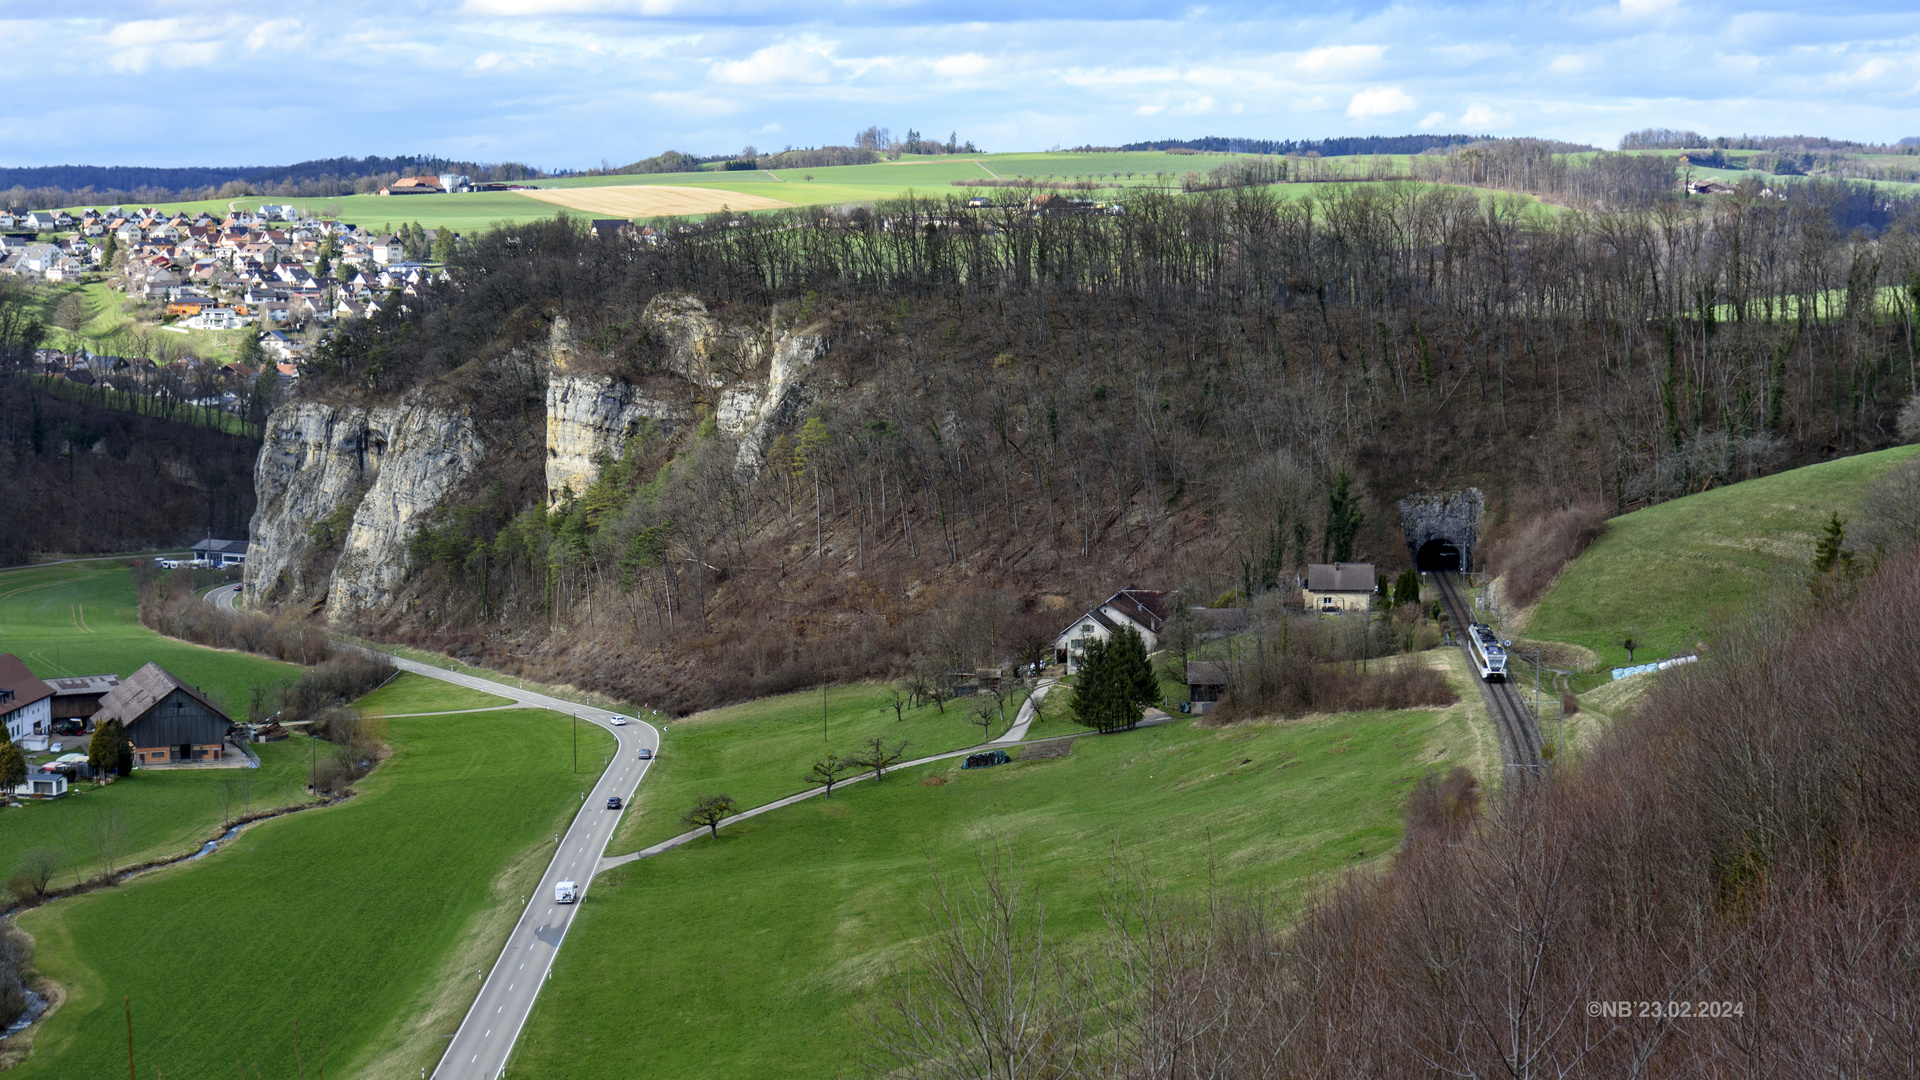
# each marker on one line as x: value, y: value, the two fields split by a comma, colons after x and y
x: 759, y: 751
x: 82, y: 618
x: 362, y: 923
x: 753, y: 954
x: 410, y: 693
x: 1666, y: 574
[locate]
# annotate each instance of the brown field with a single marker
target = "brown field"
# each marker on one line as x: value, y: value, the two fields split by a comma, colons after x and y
x: 652, y: 200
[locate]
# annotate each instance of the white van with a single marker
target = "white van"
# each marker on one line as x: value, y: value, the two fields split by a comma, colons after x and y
x: 565, y: 892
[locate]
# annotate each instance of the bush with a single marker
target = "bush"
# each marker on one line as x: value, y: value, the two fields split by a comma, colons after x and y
x: 1531, y: 557
x: 343, y: 678
x: 168, y: 605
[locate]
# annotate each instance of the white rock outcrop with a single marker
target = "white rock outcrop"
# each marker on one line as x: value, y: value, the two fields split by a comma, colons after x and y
x: 589, y: 419
x: 392, y: 464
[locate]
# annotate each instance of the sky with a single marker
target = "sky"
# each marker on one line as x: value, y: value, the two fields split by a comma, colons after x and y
x: 574, y: 83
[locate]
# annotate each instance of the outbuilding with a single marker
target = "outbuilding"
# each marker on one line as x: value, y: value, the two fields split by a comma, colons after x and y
x: 1206, y: 684
x: 168, y: 721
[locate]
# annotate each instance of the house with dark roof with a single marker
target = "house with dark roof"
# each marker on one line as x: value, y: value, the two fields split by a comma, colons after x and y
x: 221, y: 552
x: 1206, y: 684
x: 26, y: 703
x: 1337, y: 587
x: 1143, y: 609
x: 168, y: 721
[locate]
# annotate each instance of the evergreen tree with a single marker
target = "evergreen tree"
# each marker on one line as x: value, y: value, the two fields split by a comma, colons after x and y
x: 1406, y: 588
x: 443, y: 245
x: 1116, y: 683
x: 13, y: 766
x: 1830, y: 552
x: 104, y: 749
x: 1343, y: 519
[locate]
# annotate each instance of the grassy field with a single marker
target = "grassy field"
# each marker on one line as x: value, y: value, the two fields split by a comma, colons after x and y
x: 82, y: 619
x: 108, y: 324
x: 758, y: 751
x: 751, y: 955
x: 1663, y: 575
x: 158, y: 813
x: 409, y: 693
x: 363, y: 922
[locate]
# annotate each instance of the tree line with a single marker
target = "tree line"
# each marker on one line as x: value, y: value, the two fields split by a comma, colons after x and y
x: 1062, y: 400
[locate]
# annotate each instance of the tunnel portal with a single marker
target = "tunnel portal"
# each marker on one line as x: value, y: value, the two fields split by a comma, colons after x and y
x: 1442, y: 531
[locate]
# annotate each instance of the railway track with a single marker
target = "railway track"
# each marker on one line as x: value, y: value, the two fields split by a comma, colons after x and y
x: 1512, y: 719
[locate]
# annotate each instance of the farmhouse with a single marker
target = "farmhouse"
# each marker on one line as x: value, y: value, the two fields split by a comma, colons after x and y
x: 26, y: 703
x: 165, y: 719
x: 1142, y: 609
x: 1336, y: 587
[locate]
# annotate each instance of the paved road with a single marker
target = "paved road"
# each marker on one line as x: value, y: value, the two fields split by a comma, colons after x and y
x: 480, y: 1047
x: 1023, y: 719
x: 97, y: 558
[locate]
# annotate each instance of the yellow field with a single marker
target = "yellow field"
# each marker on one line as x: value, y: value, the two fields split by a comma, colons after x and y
x: 652, y: 200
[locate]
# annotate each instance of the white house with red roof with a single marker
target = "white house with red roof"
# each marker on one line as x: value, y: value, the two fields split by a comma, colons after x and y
x: 26, y: 703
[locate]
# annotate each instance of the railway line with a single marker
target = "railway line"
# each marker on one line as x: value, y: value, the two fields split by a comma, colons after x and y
x: 1519, y: 735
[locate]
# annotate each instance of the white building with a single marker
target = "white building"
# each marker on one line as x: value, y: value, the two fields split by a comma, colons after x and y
x: 1144, y: 610
x: 26, y: 703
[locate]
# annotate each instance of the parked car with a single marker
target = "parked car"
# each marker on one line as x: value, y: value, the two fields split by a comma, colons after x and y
x: 613, y: 802
x: 646, y: 754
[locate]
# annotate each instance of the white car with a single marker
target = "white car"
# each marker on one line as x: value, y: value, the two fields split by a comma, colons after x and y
x: 619, y: 721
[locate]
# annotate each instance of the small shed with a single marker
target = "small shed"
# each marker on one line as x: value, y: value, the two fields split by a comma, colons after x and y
x: 167, y: 721
x: 76, y: 698
x: 41, y: 785
x: 1206, y: 684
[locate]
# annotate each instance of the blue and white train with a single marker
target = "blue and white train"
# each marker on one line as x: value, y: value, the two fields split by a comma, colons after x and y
x: 1487, y: 652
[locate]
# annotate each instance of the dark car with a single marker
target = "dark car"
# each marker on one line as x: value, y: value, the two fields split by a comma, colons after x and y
x: 613, y: 802
x: 646, y: 754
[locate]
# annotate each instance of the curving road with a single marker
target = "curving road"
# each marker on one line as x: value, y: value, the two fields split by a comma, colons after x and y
x: 480, y: 1047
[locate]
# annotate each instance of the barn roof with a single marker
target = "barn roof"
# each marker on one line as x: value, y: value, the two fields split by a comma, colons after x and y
x: 144, y: 689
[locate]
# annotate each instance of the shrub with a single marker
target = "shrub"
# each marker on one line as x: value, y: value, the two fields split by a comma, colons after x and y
x: 1532, y: 556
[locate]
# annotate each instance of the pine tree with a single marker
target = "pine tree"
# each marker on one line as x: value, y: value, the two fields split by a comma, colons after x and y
x: 1406, y: 589
x: 1116, y: 683
x: 1830, y: 553
x: 1343, y: 519
x: 103, y: 750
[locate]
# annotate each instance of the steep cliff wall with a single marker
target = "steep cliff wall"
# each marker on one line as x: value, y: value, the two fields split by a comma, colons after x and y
x: 754, y: 382
x: 389, y: 465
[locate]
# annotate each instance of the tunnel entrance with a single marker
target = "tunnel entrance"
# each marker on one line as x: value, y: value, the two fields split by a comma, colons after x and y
x: 1437, y: 555
x: 1443, y: 530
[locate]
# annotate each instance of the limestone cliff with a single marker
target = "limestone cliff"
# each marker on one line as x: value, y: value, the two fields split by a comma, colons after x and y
x: 755, y: 383
x: 321, y: 463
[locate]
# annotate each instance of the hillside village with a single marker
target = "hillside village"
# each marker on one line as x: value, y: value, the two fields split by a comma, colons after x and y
x: 276, y: 270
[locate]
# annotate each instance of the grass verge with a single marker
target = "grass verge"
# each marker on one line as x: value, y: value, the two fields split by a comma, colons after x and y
x: 410, y: 693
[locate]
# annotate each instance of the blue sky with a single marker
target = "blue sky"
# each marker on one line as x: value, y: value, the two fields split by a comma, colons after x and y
x: 568, y: 83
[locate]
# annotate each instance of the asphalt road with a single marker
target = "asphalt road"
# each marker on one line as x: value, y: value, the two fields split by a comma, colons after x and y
x: 480, y: 1047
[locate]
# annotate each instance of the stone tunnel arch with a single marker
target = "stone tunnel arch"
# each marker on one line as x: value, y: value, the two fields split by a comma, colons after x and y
x: 1443, y: 531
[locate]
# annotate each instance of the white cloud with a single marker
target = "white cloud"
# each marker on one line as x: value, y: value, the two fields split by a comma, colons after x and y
x: 534, y: 8
x: 785, y: 63
x: 1334, y: 61
x: 1647, y: 7
x: 1380, y: 101
x: 963, y: 66
x: 1568, y: 64
x: 1481, y: 118
x: 1432, y: 120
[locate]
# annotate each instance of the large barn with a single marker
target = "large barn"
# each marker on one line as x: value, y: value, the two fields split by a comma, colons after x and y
x: 167, y: 721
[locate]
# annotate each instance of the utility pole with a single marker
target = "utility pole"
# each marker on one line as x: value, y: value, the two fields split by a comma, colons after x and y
x: 130, y: 1073
x: 823, y: 713
x: 576, y: 742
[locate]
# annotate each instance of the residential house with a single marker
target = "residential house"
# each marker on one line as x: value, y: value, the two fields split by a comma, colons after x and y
x: 39, y: 258
x: 26, y: 703
x: 388, y: 249
x: 609, y: 227
x: 1336, y: 587
x: 1144, y: 610
x: 167, y: 720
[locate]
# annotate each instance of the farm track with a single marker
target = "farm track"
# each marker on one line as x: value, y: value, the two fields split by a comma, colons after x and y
x: 1519, y: 735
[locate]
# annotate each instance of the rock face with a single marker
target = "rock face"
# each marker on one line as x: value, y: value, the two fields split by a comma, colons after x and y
x: 390, y: 464
x: 1442, y: 530
x: 753, y: 388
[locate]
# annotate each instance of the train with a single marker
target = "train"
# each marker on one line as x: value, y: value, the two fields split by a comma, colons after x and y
x: 1487, y: 652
